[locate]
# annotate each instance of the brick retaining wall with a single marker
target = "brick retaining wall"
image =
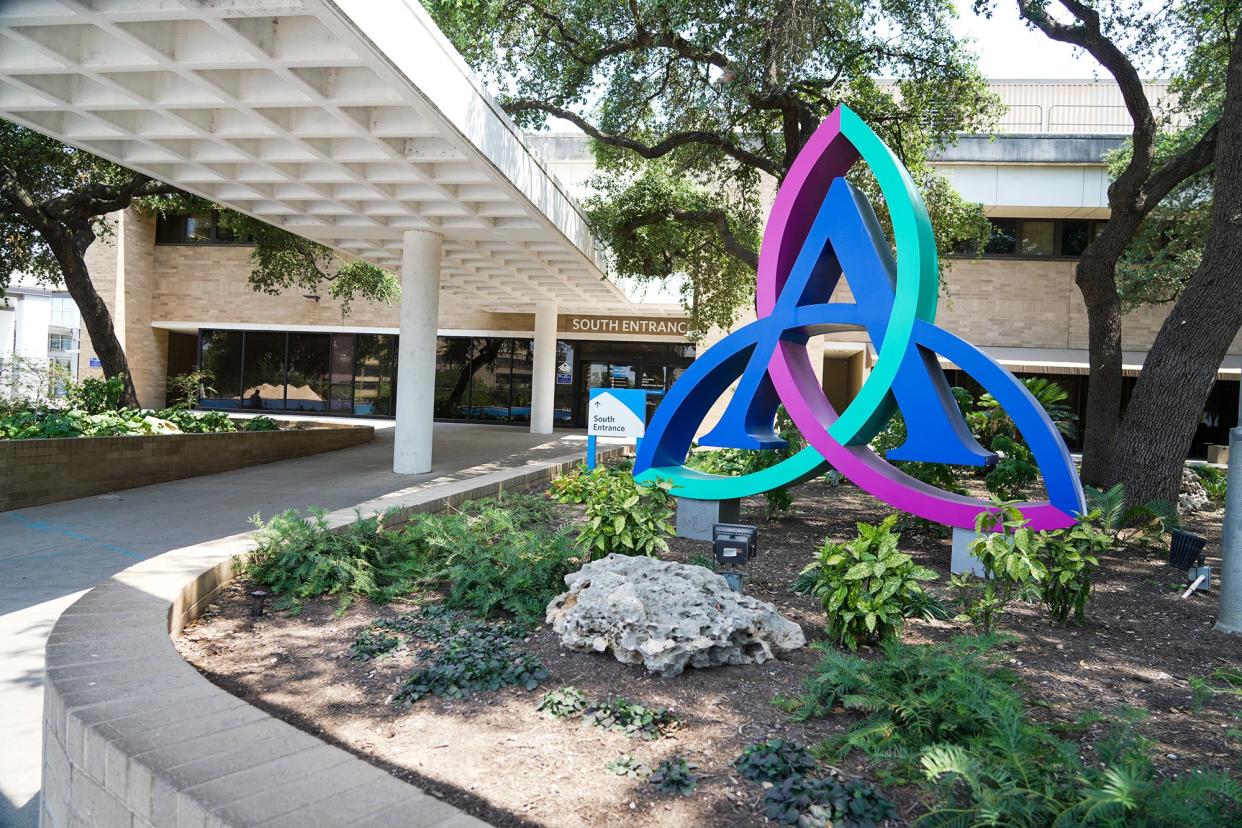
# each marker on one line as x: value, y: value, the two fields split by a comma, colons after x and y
x: 134, y: 737
x: 37, y: 472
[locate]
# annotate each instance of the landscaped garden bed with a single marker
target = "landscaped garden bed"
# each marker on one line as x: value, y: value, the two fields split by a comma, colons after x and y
x: 574, y: 738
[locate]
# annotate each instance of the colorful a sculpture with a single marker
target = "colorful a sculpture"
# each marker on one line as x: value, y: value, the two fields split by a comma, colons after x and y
x: 820, y: 227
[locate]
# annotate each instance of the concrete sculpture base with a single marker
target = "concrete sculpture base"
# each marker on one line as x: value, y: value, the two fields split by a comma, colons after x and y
x: 695, y: 518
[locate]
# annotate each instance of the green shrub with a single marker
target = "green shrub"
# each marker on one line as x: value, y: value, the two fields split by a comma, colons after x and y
x: 94, y: 395
x: 1071, y: 557
x: 952, y: 715
x: 193, y: 422
x: 1215, y: 482
x: 1008, y: 551
x: 184, y: 390
x: 826, y: 803
x: 674, y: 776
x: 867, y: 586
x: 631, y: 718
x: 261, y: 423
x: 774, y: 760
x: 463, y: 656
x: 563, y: 703
x: 626, y: 517
x: 1015, y: 470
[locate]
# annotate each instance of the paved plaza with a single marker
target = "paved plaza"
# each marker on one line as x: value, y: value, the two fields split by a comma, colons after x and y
x: 50, y: 555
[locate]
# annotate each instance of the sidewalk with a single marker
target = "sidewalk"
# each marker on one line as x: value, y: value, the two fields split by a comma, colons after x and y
x: 50, y: 555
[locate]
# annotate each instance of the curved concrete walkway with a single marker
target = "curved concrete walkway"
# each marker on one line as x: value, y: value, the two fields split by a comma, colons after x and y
x: 50, y: 555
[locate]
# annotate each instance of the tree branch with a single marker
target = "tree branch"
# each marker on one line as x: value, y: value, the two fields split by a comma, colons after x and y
x: 100, y: 199
x: 1087, y: 35
x: 1182, y: 166
x: 712, y: 218
x: 666, y: 146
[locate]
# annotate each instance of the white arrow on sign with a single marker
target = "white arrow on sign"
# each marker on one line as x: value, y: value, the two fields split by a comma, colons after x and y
x: 612, y: 418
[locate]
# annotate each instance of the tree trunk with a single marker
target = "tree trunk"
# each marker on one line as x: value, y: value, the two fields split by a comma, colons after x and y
x: 1181, y: 366
x: 71, y: 256
x: 1096, y: 282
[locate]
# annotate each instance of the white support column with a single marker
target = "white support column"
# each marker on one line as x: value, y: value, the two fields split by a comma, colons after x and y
x: 543, y: 370
x: 416, y: 355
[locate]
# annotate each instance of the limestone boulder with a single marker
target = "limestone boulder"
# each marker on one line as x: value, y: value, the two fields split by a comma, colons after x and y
x: 666, y: 616
x: 1192, y: 497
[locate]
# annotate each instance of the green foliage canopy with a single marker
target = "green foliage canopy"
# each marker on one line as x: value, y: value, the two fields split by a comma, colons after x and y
x: 695, y: 107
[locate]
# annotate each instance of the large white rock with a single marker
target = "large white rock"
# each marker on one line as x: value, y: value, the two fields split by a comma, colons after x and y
x: 666, y: 616
x: 1192, y: 497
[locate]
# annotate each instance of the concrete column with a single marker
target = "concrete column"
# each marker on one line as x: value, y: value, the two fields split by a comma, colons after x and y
x: 1230, y: 618
x: 416, y: 354
x: 543, y: 376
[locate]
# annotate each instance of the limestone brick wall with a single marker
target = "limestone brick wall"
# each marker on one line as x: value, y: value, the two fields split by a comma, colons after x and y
x: 36, y: 472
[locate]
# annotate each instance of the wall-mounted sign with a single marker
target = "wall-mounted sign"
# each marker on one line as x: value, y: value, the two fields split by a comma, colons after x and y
x: 623, y: 325
x: 95, y: 363
x: 617, y: 412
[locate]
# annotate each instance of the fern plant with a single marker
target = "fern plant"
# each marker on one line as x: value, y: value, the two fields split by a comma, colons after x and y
x: 1142, y: 525
x: 868, y: 587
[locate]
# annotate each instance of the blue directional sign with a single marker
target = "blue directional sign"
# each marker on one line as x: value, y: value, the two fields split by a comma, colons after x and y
x: 615, y: 412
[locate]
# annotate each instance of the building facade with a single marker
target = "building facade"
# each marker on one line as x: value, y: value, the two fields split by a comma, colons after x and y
x: 178, y: 288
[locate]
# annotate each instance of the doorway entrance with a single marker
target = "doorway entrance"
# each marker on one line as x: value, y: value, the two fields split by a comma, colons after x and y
x: 651, y: 366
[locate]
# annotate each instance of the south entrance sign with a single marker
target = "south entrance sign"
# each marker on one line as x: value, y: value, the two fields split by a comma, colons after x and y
x: 822, y: 228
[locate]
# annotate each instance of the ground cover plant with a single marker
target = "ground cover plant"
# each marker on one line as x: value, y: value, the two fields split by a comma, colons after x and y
x: 674, y: 776
x: 826, y: 802
x: 460, y: 656
x: 774, y: 760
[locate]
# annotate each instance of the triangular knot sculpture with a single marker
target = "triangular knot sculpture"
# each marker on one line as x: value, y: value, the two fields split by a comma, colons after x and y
x: 822, y: 228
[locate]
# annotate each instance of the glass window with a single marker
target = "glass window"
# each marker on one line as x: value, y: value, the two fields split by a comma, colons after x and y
x: 1075, y: 236
x: 263, y: 372
x: 375, y: 375
x: 1004, y: 237
x: 453, y: 360
x: 563, y: 407
x: 220, y: 358
x: 521, y: 369
x: 341, y: 375
x: 489, y: 367
x: 1038, y: 238
x: 306, y: 377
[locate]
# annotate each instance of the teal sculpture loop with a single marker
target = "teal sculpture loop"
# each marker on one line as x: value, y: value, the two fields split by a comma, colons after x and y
x: 820, y: 229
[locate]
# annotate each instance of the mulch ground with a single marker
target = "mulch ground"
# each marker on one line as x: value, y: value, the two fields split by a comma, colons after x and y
x: 497, y: 757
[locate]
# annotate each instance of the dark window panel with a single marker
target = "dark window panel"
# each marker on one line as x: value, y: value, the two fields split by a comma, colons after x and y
x: 307, y: 371
x: 1075, y: 236
x: 1004, y: 239
x: 1038, y: 238
x: 263, y: 372
x: 220, y: 357
x: 375, y: 357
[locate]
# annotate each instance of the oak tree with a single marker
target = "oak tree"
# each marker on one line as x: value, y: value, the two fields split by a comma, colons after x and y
x: 696, y: 108
x: 1171, y: 157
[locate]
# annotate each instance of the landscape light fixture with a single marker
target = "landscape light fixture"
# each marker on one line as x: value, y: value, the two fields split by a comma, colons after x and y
x: 257, y: 597
x: 733, y: 545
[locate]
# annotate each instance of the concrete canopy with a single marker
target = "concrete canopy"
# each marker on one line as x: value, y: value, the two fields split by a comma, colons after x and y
x: 347, y: 122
